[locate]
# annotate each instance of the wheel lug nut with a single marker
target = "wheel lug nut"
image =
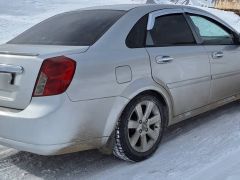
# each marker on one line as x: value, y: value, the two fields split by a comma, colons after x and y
x: 140, y: 131
x: 140, y: 122
x: 146, y: 121
x: 146, y: 129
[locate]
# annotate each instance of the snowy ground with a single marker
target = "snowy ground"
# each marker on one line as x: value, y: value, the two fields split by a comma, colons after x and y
x: 205, y: 147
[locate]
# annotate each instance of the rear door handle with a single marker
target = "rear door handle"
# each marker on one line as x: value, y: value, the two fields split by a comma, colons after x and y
x: 217, y: 55
x: 164, y: 59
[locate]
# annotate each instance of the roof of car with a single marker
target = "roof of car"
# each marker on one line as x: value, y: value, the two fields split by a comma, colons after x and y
x: 127, y: 7
x: 153, y: 7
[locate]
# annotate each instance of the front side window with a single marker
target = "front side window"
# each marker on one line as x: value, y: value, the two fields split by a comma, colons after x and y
x: 76, y: 28
x: 211, y: 32
x: 170, y: 30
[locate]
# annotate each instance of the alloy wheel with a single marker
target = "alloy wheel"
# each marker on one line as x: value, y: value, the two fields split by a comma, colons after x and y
x: 144, y: 126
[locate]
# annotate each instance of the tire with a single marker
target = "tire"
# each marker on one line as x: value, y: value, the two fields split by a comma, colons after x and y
x: 140, y: 129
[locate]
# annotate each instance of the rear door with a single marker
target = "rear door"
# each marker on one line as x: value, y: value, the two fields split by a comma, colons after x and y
x: 224, y: 54
x: 178, y: 62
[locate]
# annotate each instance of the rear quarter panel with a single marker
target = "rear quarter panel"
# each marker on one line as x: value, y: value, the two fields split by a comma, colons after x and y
x: 95, y: 76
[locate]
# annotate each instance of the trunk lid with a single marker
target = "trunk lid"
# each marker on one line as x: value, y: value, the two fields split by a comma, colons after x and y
x: 19, y: 68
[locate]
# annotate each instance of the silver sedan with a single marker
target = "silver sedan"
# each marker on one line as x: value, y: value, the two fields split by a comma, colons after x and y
x: 114, y: 77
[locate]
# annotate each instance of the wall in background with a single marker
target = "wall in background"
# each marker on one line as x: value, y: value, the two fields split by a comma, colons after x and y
x: 233, y: 5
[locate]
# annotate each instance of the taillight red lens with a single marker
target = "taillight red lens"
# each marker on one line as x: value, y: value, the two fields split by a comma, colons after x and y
x: 55, y: 76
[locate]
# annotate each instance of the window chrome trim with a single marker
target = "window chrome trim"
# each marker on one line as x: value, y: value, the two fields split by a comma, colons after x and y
x: 5, y: 68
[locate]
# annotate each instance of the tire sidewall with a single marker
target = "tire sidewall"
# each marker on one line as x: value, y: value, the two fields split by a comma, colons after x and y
x: 123, y: 129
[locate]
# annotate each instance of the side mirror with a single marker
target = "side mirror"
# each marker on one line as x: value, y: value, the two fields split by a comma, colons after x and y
x: 238, y: 39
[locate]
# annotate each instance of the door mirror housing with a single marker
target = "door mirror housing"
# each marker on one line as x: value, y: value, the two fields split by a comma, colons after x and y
x: 237, y: 38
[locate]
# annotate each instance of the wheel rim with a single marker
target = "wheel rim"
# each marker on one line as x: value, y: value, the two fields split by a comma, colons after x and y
x: 144, y: 126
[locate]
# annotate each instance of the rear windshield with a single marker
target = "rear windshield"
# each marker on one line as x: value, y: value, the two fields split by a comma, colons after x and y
x: 77, y: 28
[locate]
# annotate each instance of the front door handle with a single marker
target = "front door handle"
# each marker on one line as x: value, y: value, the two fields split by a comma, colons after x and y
x: 164, y: 59
x: 217, y: 55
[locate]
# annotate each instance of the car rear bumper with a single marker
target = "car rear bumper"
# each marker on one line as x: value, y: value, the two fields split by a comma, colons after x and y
x: 38, y: 149
x: 55, y: 125
x: 55, y: 149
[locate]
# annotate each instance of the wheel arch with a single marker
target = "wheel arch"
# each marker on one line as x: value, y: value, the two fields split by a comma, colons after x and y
x: 149, y: 86
x: 139, y: 87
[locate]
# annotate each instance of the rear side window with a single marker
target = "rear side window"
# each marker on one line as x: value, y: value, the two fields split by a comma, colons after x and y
x: 137, y: 36
x: 170, y: 30
x: 77, y: 28
x: 211, y: 32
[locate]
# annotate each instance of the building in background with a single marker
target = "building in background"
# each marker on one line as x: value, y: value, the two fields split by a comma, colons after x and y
x: 233, y: 5
x: 228, y: 4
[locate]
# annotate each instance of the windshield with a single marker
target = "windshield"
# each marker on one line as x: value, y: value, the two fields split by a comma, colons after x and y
x: 77, y: 28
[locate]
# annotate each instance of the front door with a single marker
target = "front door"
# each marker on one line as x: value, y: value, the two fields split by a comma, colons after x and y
x: 224, y: 54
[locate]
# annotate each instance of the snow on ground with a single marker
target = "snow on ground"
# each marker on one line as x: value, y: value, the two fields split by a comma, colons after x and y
x: 205, y: 147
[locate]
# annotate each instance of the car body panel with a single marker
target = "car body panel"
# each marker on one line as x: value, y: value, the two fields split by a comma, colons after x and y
x: 188, y: 75
x: 96, y: 77
x: 60, y: 121
x: 55, y: 149
x: 17, y: 88
x: 40, y: 50
x: 225, y: 71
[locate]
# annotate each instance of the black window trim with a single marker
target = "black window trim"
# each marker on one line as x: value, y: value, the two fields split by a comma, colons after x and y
x: 195, y: 36
x: 198, y: 39
x: 145, y: 33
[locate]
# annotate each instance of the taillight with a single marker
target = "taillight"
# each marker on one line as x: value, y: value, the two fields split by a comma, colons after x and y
x: 55, y: 76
